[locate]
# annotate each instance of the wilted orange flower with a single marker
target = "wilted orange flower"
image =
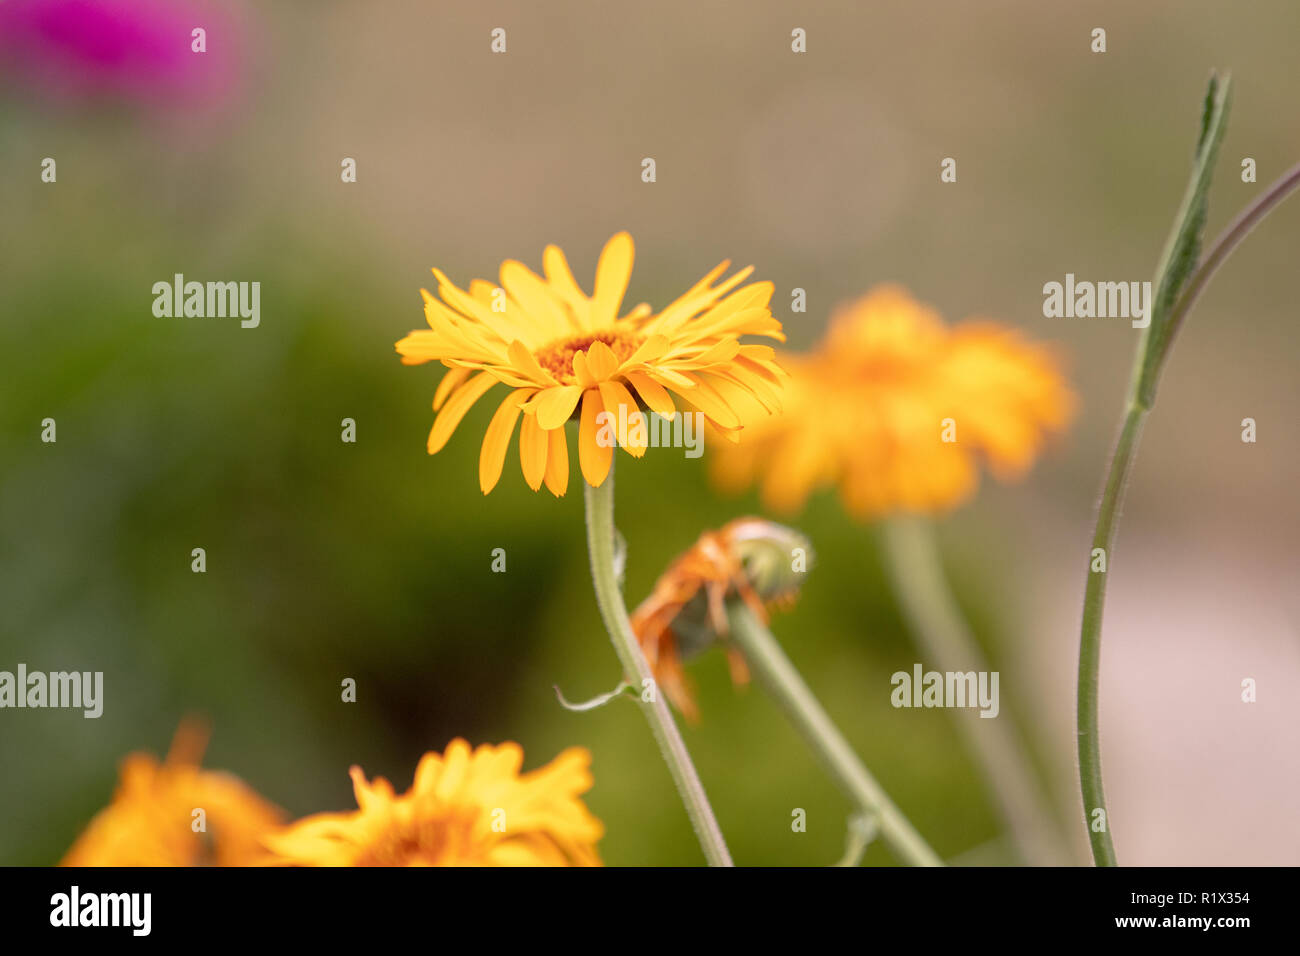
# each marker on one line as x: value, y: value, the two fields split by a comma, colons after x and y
x: 464, y: 809
x: 152, y: 820
x: 756, y: 561
x: 555, y: 347
x: 897, y: 410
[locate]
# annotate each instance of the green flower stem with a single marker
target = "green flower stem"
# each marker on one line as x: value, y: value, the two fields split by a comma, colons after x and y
x: 916, y: 572
x: 1094, y: 601
x: 600, y: 544
x: 1112, y: 499
x: 778, y: 677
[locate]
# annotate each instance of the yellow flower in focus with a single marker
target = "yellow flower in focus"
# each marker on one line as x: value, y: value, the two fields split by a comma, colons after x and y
x: 557, y: 348
x: 151, y: 819
x: 465, y: 808
x: 897, y: 410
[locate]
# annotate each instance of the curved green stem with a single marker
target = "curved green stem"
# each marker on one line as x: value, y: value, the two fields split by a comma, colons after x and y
x: 940, y: 630
x: 1094, y: 601
x: 600, y: 544
x: 1141, y: 397
x: 778, y: 677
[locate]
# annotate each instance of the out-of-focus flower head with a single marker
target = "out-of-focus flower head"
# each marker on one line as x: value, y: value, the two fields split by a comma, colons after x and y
x: 465, y: 808
x: 151, y: 821
x: 560, y: 350
x: 749, y: 559
x: 898, y: 410
x: 139, y: 51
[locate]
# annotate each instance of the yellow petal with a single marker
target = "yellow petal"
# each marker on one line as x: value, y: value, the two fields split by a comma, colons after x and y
x: 700, y: 296
x: 612, y: 274
x: 563, y: 284
x: 758, y: 353
x: 497, y: 440
x: 593, y: 457
x: 653, y: 394
x: 481, y: 290
x: 622, y: 407
x: 666, y: 376
x: 532, y: 451
x: 751, y: 384
x: 526, y: 363
x: 723, y: 351
x: 427, y: 772
x: 463, y: 302
x: 601, y: 362
x: 557, y: 462
x: 420, y: 346
x: 455, y: 765
x: 535, y: 298
x: 451, y: 380
x: 460, y: 402
x: 582, y: 371
x: 553, y: 406
x: 768, y: 370
x: 707, y: 400
x: 649, y: 350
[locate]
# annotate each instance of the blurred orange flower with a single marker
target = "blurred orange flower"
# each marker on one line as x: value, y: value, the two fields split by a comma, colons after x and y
x: 897, y: 410
x: 465, y: 808
x: 152, y: 820
x: 555, y: 347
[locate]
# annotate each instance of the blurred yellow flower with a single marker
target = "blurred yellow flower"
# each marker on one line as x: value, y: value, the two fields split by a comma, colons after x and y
x: 897, y: 410
x: 555, y: 347
x: 750, y: 559
x: 152, y: 819
x: 466, y: 808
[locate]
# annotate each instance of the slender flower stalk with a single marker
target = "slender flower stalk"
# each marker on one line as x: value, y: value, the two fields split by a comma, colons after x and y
x: 779, y: 678
x: 1172, y: 273
x: 940, y: 630
x: 1178, y: 288
x: 1094, y: 600
x: 600, y: 544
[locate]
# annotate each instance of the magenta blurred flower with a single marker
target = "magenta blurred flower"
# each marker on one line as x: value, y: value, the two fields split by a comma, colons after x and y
x: 137, y: 50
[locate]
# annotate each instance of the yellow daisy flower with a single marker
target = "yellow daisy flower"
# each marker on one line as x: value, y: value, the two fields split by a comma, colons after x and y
x: 465, y: 808
x: 557, y: 348
x: 151, y: 821
x: 897, y: 410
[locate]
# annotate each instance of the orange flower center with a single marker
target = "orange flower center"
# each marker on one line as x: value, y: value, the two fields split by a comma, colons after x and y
x: 444, y: 838
x: 557, y: 357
